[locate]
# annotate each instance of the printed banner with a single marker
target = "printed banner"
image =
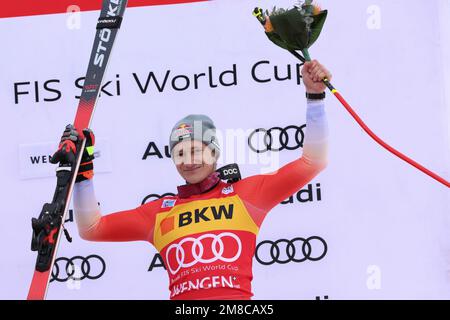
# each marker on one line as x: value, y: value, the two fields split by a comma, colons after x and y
x: 367, y: 227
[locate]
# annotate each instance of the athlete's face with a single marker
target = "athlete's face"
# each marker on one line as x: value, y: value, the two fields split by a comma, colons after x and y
x: 194, y: 160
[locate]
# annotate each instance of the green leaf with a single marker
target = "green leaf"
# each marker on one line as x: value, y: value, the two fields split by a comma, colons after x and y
x: 317, y: 26
x: 292, y: 31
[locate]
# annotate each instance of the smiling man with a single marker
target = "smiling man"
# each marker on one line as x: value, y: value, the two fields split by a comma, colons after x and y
x: 206, y: 234
x: 194, y: 147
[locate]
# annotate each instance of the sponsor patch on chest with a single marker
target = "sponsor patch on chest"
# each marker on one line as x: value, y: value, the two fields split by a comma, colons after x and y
x: 227, y: 190
x: 168, y: 203
x: 199, y: 216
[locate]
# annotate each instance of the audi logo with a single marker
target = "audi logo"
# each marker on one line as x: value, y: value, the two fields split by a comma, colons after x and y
x: 65, y: 268
x: 283, y: 138
x: 296, y: 250
x: 185, y: 258
x: 156, y: 196
x: 266, y: 252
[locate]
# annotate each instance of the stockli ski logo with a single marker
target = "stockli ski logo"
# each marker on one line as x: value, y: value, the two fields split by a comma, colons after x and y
x: 105, y: 34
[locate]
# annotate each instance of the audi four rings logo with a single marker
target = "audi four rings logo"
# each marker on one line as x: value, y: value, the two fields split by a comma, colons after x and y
x: 65, y: 268
x: 295, y: 250
x: 156, y: 196
x: 196, y: 254
x: 283, y: 139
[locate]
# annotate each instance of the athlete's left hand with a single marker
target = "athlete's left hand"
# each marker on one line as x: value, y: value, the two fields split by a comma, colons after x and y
x: 313, y: 73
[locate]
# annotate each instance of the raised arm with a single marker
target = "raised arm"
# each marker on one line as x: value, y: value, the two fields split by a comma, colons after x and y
x: 263, y: 192
x: 130, y: 225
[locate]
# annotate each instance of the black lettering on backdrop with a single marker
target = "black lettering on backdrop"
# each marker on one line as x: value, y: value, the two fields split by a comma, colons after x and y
x: 57, y: 93
x: 151, y: 76
x: 261, y: 72
x: 152, y: 146
x: 182, y: 82
x: 18, y: 91
x: 157, y: 262
x: 254, y: 72
x: 40, y: 159
x: 306, y: 195
x: 264, y: 75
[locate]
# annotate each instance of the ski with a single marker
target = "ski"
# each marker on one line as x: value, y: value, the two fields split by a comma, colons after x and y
x: 47, y: 227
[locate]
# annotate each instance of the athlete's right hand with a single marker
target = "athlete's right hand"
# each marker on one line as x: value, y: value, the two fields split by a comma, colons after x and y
x: 313, y: 73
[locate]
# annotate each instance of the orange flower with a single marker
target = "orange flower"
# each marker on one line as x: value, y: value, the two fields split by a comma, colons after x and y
x: 317, y: 9
x: 268, y: 25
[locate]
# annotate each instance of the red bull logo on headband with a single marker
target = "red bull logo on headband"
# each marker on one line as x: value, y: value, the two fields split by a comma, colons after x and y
x: 183, y: 131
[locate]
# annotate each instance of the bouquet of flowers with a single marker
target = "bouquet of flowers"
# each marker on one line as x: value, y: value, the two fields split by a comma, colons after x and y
x: 294, y: 29
x: 297, y: 29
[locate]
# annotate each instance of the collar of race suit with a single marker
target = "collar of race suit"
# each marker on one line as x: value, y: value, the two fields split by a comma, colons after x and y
x: 187, y: 190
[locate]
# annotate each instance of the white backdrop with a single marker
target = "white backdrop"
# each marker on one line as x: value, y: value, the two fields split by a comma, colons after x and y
x: 386, y: 224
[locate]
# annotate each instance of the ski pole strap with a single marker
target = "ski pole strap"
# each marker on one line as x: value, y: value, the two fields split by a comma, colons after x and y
x: 109, y: 22
x: 380, y: 141
x: 361, y: 123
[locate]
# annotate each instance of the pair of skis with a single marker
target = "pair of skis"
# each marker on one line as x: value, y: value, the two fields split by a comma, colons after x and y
x: 47, y: 227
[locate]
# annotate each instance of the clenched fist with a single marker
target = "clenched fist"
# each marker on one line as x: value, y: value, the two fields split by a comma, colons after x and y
x: 313, y: 73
